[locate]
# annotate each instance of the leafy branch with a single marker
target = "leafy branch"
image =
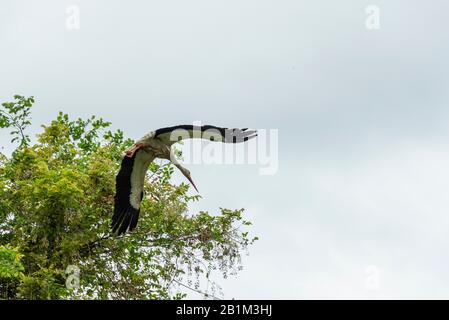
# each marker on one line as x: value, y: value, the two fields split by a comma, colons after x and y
x: 16, y: 115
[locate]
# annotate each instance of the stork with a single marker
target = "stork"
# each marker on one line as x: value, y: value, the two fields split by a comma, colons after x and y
x: 157, y: 144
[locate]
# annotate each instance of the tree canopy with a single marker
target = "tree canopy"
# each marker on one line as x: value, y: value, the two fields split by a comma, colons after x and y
x: 56, y: 201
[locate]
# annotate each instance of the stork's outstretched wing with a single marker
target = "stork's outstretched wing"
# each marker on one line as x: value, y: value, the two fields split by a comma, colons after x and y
x: 129, y: 191
x: 171, y: 135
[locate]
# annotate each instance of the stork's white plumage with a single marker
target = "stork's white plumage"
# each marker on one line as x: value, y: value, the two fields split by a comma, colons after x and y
x: 157, y: 144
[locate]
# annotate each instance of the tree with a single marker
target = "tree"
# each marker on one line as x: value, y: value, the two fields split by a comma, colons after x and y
x: 56, y: 201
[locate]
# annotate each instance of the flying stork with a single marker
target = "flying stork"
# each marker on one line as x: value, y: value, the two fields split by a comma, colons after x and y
x: 157, y: 144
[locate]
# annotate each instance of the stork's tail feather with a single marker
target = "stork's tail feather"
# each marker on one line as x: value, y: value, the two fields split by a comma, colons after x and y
x: 125, y: 220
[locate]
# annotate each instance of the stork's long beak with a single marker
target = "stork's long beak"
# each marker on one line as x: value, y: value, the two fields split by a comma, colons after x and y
x: 186, y: 174
x: 191, y: 181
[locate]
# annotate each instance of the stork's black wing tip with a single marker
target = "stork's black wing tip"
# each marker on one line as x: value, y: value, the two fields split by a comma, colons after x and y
x: 239, y: 135
x: 250, y: 137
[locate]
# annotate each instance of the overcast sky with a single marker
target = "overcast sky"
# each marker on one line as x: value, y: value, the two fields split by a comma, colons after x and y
x: 359, y: 205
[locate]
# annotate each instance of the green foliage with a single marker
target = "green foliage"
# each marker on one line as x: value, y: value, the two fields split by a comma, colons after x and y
x: 16, y: 116
x: 11, y: 270
x: 10, y: 265
x: 56, y: 201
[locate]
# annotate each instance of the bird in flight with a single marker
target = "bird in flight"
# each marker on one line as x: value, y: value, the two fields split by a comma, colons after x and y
x: 157, y: 144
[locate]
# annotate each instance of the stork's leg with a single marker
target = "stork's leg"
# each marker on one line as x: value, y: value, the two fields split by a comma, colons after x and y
x: 130, y: 152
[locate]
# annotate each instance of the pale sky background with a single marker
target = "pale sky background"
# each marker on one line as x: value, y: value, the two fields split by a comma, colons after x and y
x: 359, y: 206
